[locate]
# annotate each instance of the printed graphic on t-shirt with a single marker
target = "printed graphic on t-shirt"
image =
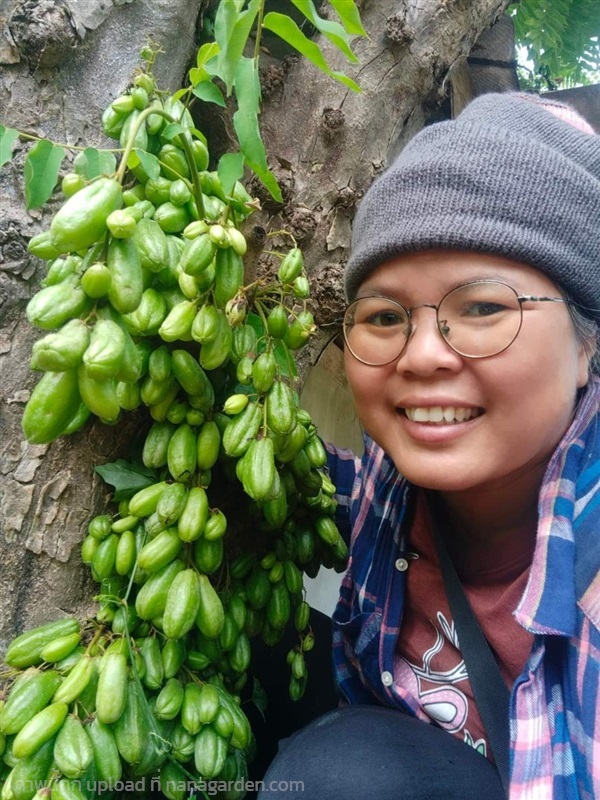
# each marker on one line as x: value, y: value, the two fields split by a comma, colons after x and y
x: 435, y: 681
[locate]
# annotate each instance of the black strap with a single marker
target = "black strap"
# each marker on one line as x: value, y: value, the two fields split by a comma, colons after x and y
x: 490, y: 692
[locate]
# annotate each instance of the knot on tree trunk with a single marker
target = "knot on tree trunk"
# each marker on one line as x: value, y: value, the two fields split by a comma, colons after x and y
x: 332, y: 121
x: 346, y: 198
x: 397, y: 31
x: 328, y: 295
x: 302, y: 223
x: 43, y: 32
x: 272, y: 79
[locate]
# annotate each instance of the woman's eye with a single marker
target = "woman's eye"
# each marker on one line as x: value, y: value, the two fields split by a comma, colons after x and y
x: 386, y: 319
x: 483, y: 309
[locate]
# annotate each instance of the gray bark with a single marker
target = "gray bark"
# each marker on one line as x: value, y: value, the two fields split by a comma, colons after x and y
x: 61, y: 62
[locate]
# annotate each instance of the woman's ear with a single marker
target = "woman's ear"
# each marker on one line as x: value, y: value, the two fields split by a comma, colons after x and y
x: 587, y: 350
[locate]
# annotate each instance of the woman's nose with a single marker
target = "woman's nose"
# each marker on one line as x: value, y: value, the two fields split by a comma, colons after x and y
x: 426, y: 350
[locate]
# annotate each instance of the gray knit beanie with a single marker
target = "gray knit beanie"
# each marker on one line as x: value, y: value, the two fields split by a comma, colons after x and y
x: 510, y: 176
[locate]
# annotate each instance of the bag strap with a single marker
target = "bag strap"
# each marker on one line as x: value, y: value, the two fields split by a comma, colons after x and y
x: 489, y: 689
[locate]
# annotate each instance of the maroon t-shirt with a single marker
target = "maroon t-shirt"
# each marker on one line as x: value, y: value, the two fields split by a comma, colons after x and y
x: 429, y: 663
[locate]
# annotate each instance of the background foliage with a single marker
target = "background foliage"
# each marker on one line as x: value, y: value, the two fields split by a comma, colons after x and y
x: 560, y: 41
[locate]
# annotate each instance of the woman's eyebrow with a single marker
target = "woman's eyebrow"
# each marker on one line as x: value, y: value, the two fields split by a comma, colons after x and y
x: 392, y: 294
x: 488, y: 276
x: 373, y: 292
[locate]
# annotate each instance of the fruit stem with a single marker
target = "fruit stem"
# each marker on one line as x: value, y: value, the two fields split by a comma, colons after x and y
x: 265, y: 427
x: 95, y: 638
x: 183, y: 141
x: 261, y: 312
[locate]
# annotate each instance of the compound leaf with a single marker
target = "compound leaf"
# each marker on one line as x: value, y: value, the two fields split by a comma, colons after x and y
x: 332, y: 31
x: 285, y: 27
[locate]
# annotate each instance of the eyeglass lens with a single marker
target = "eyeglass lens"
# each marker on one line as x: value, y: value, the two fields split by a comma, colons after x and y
x: 476, y: 320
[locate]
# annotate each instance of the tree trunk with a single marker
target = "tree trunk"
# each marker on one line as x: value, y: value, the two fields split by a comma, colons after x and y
x: 62, y: 63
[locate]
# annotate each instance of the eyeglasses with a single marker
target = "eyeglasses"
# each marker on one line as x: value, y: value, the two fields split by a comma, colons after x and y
x: 476, y: 320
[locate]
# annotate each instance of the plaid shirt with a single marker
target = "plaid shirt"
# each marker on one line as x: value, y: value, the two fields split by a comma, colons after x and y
x: 555, y: 703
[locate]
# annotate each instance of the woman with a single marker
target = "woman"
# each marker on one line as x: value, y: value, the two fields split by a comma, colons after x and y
x: 474, y: 299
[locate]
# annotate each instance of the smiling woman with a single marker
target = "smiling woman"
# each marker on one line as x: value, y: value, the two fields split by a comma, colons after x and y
x: 471, y: 595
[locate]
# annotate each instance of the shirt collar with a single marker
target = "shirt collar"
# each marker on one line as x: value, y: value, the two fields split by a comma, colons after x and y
x: 565, y: 569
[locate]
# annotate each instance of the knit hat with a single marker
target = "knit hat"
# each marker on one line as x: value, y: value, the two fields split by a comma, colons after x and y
x: 511, y: 176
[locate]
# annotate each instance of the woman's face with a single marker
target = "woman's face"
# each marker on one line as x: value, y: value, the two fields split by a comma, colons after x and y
x: 520, y: 402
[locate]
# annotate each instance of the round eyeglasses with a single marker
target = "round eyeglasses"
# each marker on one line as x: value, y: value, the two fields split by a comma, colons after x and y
x: 476, y: 320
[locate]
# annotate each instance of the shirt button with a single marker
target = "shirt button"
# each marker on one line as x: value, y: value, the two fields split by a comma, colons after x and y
x: 401, y: 564
x: 387, y: 678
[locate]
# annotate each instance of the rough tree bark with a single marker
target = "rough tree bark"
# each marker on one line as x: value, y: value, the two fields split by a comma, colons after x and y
x: 61, y: 62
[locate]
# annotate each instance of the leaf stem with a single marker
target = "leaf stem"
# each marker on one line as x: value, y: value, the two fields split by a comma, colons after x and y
x: 30, y: 137
x: 261, y: 13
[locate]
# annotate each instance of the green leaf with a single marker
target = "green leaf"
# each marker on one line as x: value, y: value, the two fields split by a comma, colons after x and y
x: 41, y: 172
x: 8, y: 137
x: 348, y: 13
x: 245, y: 122
x: 210, y: 93
x: 206, y: 52
x: 256, y: 322
x: 96, y: 162
x: 285, y: 27
x: 150, y: 163
x: 259, y: 697
x: 285, y: 360
x: 171, y: 131
x: 198, y: 75
x: 126, y: 477
x: 232, y: 29
x: 198, y: 135
x: 230, y: 169
x: 332, y: 31
x: 179, y: 94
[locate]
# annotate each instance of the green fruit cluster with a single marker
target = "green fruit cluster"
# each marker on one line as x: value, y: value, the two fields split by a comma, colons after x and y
x: 146, y: 306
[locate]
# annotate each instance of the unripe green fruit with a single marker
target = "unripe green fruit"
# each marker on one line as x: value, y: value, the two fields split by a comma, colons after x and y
x: 72, y: 183
x: 123, y: 104
x: 81, y: 222
x: 291, y: 266
x: 219, y: 236
x: 145, y: 81
x: 238, y: 241
x: 201, y: 156
x: 277, y: 322
x: 179, y: 193
x: 121, y: 224
x: 194, y: 229
x: 235, y: 403
x: 301, y: 287
x: 95, y: 281
x: 140, y: 97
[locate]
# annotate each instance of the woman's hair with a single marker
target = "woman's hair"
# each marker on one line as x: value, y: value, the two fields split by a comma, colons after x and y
x: 587, y: 331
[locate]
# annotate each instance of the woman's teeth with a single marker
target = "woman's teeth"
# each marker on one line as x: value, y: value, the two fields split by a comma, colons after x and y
x: 441, y: 414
